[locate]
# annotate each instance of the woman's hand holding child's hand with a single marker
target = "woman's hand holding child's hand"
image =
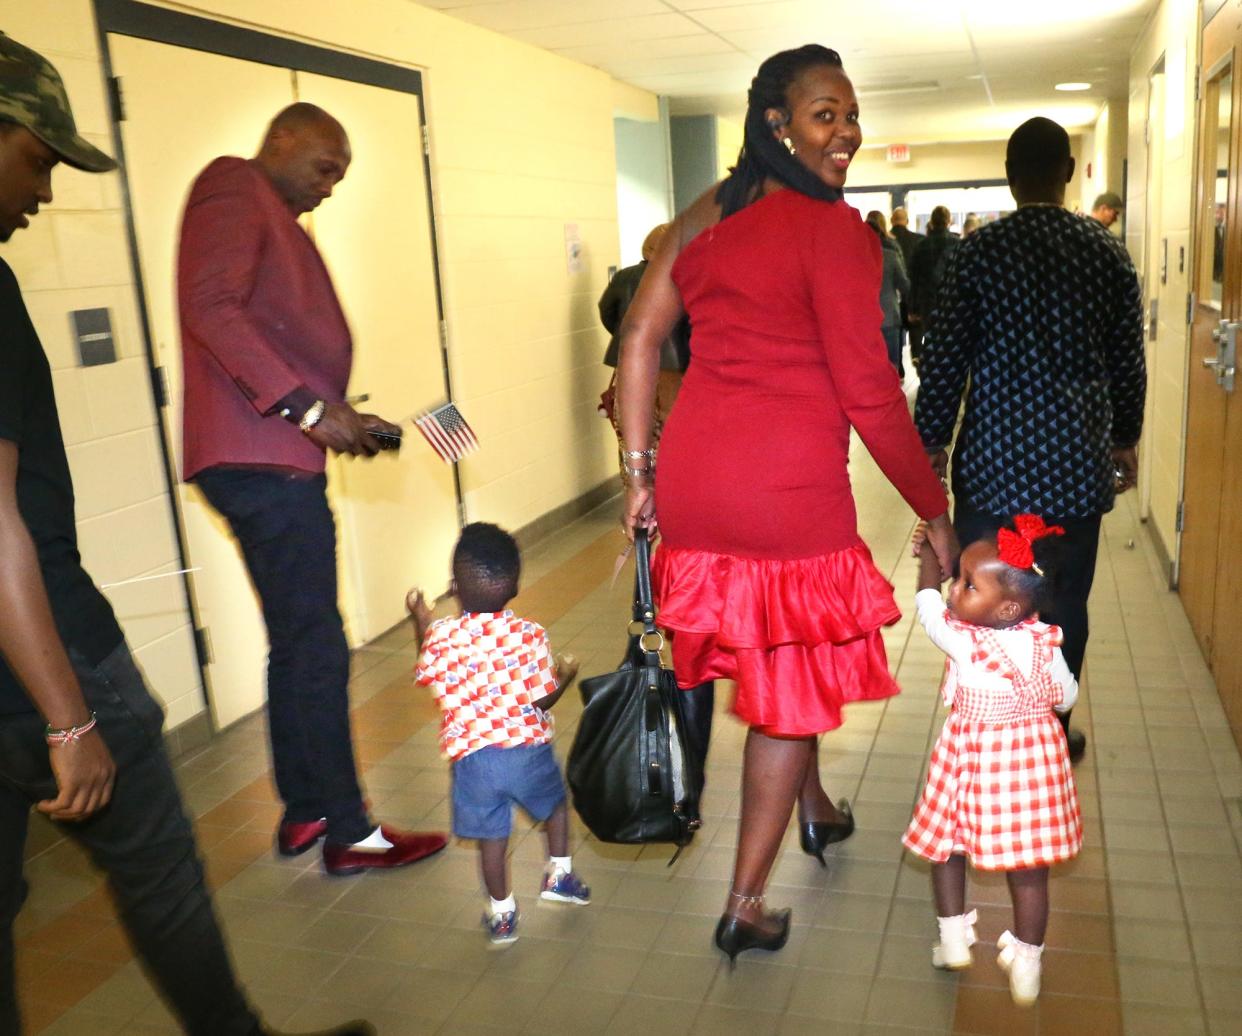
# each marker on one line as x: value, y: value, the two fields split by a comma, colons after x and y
x: 918, y: 539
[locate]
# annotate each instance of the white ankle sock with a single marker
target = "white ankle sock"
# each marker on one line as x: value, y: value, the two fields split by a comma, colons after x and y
x: 374, y: 841
x: 564, y: 864
x: 503, y: 906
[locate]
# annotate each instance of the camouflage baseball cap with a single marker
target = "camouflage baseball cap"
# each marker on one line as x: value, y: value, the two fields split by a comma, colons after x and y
x: 33, y: 95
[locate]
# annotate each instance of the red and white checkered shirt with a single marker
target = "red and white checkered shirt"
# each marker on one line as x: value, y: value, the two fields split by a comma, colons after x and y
x: 485, y: 670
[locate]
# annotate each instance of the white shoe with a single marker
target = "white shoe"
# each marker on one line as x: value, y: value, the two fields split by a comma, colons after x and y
x: 957, y: 936
x: 1023, y: 962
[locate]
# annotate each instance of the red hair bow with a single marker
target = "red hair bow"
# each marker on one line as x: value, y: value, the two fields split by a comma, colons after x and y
x: 1014, y: 548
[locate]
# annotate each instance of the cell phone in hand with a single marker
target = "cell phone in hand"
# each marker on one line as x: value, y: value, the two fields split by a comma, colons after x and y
x: 387, y: 440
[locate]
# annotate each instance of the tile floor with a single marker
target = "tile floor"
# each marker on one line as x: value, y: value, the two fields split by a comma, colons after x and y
x: 1144, y: 938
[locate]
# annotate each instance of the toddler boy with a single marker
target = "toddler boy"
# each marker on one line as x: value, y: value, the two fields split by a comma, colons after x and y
x: 494, y: 679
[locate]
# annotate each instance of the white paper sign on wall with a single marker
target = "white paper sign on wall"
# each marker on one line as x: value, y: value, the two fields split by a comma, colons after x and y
x: 573, y: 249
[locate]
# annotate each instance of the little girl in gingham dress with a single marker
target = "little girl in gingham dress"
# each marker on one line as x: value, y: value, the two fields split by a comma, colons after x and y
x: 1000, y: 791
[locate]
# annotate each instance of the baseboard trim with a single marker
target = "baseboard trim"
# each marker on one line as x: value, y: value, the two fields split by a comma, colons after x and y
x: 543, y: 526
x: 190, y: 735
x: 1167, y: 568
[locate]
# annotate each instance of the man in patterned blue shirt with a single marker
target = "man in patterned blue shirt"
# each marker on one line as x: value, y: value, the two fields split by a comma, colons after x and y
x: 1039, y: 322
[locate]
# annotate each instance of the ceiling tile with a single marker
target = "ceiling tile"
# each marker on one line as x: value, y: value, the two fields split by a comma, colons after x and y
x: 703, y: 53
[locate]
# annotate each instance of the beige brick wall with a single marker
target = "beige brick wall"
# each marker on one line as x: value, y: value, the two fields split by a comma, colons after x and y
x: 74, y: 256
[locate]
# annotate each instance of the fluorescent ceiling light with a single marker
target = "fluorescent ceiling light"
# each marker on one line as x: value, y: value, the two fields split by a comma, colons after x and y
x: 1070, y: 87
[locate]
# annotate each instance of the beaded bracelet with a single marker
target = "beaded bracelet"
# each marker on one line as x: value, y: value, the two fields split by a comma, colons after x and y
x: 65, y: 735
x: 639, y: 472
x: 639, y: 454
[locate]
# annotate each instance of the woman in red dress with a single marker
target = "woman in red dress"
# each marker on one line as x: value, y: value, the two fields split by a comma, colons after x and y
x: 762, y: 577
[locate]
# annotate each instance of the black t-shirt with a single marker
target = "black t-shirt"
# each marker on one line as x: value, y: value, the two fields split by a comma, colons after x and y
x: 28, y: 417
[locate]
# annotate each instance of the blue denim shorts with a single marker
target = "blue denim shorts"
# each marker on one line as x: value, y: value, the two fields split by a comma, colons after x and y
x: 488, y: 782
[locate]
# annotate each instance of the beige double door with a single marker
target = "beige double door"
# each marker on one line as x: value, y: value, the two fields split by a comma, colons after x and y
x: 397, y: 513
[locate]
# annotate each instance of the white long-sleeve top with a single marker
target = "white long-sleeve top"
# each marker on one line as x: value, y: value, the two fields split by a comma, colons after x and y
x: 1017, y: 642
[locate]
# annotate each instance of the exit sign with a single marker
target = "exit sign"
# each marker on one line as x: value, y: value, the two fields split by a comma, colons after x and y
x: 899, y: 152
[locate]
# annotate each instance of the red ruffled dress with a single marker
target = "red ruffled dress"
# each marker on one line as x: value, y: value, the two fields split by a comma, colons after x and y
x: 761, y: 575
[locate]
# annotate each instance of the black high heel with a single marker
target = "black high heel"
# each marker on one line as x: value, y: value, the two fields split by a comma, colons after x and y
x: 815, y: 836
x: 734, y: 936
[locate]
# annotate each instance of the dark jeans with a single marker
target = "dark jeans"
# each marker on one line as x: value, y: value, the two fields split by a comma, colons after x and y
x: 141, y: 840
x: 1077, y: 571
x: 288, y: 539
x: 892, y: 341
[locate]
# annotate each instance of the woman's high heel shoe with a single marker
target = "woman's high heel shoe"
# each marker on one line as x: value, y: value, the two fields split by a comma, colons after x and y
x: 815, y: 836
x: 734, y: 936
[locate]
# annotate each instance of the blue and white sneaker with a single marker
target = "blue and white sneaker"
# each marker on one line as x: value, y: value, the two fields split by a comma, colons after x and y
x: 501, y: 928
x: 564, y: 887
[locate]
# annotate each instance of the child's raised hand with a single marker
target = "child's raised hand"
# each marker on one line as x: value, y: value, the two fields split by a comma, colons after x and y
x: 566, y: 669
x: 416, y: 604
x: 918, y: 539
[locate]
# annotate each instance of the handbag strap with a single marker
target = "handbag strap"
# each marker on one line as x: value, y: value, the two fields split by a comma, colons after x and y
x: 644, y: 605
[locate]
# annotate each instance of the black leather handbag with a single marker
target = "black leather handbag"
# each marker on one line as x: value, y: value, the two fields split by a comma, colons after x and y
x: 634, y: 772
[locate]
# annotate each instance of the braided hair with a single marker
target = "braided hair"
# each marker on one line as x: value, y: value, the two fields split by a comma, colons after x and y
x: 762, y: 155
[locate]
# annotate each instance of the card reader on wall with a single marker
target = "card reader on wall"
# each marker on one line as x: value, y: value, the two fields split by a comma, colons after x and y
x: 92, y: 328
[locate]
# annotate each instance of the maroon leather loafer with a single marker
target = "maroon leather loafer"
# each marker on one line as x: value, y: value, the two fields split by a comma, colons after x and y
x: 407, y: 847
x: 293, y: 839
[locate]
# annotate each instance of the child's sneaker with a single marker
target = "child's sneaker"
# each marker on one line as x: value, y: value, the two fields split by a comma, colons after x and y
x: 957, y: 936
x: 1023, y: 962
x: 501, y: 928
x: 564, y: 887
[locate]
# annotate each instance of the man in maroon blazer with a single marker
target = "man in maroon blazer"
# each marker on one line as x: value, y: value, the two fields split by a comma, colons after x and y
x: 267, y: 355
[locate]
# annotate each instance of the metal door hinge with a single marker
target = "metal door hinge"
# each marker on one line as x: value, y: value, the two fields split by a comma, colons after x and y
x: 159, y: 385
x: 1198, y: 80
x: 116, y: 99
x: 202, y: 646
x: 1180, y: 523
x: 426, y: 140
x: 1190, y: 307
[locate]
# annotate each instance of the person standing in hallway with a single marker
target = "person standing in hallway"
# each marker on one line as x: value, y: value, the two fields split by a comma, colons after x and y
x: 906, y: 238
x: 927, y: 268
x: 267, y: 357
x: 1041, y: 315
x: 894, y: 290
x: 80, y: 734
x: 675, y: 352
x: 1107, y: 208
x: 761, y: 575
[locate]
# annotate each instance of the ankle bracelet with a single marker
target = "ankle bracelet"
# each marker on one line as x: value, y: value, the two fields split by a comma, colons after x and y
x: 752, y: 901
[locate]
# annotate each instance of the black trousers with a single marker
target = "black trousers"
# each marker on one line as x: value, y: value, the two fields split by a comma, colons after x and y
x: 141, y: 840
x: 287, y: 537
x: 1073, y: 586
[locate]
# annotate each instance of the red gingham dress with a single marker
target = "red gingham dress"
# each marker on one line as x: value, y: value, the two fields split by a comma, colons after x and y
x: 999, y: 786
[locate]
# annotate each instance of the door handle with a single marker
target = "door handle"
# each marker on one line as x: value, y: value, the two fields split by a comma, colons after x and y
x: 1224, y: 363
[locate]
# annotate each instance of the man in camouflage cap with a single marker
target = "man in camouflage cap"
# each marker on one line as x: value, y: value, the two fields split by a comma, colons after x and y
x: 80, y: 734
x: 32, y: 94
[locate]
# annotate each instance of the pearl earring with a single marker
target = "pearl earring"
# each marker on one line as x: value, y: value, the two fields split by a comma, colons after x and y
x: 789, y: 145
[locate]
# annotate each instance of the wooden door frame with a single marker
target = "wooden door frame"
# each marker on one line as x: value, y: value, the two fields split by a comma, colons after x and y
x: 163, y: 25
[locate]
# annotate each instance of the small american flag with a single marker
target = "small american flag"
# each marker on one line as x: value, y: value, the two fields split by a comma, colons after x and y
x: 447, y: 431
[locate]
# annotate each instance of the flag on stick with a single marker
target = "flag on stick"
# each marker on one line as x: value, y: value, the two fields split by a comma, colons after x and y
x: 447, y: 431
